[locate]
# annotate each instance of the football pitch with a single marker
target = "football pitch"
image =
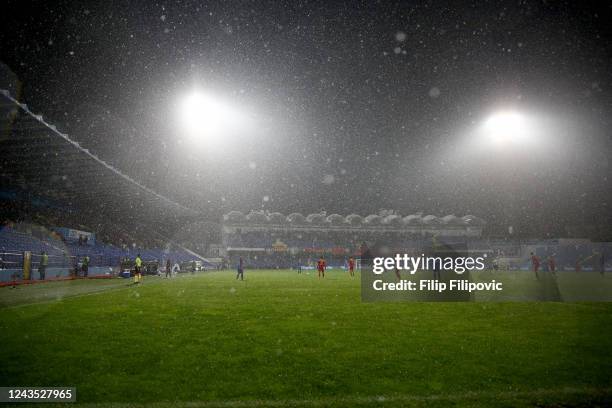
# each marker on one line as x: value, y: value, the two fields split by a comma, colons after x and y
x: 283, y: 339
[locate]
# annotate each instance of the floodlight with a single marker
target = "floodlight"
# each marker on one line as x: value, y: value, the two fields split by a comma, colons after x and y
x: 208, y: 119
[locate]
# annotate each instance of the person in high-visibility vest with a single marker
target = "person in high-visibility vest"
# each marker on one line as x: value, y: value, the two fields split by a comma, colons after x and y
x: 138, y: 269
x: 85, y: 266
x: 42, y: 267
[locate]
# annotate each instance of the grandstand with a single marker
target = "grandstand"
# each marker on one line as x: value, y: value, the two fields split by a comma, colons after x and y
x: 273, y: 240
x: 65, y: 255
x: 276, y: 240
x: 48, y: 183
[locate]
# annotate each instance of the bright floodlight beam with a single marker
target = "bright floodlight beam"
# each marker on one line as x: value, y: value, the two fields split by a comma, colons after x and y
x: 207, y: 119
x: 506, y: 127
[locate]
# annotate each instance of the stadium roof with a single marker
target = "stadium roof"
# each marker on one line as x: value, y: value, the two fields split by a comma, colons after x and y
x: 394, y: 220
x: 37, y: 157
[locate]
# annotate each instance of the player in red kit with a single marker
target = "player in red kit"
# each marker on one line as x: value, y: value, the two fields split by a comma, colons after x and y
x: 552, y: 265
x: 351, y: 266
x: 321, y: 267
x: 535, y: 263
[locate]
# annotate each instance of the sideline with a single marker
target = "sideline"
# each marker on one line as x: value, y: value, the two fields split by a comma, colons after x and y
x: 120, y: 286
x: 61, y: 279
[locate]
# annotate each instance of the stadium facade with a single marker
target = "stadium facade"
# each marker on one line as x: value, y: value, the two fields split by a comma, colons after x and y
x: 306, y: 236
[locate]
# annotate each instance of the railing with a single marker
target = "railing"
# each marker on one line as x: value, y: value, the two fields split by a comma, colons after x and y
x: 14, y: 260
x: 11, y: 260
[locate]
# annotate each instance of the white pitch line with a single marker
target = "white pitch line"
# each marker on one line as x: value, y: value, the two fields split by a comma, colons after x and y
x: 69, y: 296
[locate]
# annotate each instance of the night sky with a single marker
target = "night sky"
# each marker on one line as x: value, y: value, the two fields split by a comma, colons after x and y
x: 360, y: 105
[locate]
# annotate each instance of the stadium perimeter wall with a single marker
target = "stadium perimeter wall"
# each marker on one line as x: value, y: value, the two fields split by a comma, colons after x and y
x: 9, y: 275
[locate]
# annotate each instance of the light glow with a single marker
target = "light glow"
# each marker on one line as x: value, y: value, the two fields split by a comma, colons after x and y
x: 207, y: 119
x: 506, y: 127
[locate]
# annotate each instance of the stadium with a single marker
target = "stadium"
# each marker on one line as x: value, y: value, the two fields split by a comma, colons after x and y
x: 197, y: 203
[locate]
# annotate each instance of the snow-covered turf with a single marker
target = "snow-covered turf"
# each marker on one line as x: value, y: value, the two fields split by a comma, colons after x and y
x: 279, y: 338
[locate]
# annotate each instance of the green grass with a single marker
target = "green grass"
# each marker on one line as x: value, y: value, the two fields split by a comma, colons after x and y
x: 56, y: 291
x: 279, y: 338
